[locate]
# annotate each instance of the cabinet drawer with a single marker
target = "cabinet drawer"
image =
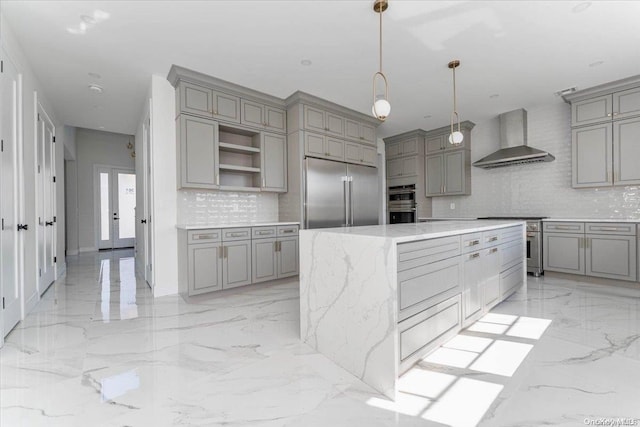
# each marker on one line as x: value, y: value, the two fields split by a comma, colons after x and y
x: 263, y: 232
x: 511, y: 254
x: 611, y: 228
x: 471, y: 242
x: 564, y: 227
x: 491, y: 238
x: 427, y: 285
x: 511, y: 280
x: 510, y: 234
x: 414, y: 254
x: 230, y: 234
x: 203, y: 236
x: 421, y: 330
x: 288, y: 230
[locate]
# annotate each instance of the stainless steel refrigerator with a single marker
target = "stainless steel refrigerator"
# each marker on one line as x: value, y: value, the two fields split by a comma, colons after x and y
x: 339, y: 194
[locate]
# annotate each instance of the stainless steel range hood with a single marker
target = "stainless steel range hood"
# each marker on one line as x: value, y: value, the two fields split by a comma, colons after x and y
x: 513, y: 142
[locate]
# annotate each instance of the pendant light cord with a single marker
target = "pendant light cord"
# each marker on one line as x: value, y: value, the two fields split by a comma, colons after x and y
x: 380, y: 13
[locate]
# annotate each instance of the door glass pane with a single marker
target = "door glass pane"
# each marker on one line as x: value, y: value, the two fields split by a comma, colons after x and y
x: 104, y: 206
x: 126, y: 205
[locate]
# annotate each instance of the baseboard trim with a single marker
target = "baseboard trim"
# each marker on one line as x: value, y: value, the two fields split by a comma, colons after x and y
x: 593, y: 280
x: 71, y: 253
x: 62, y: 269
x: 30, y: 304
x: 88, y: 249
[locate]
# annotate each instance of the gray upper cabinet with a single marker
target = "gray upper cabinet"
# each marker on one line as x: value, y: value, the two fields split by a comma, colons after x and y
x: 236, y: 270
x: 626, y: 152
x: 360, y: 154
x: 262, y: 116
x: 359, y: 131
x: 273, y: 155
x: 447, y: 173
x: 591, y: 153
x: 403, y: 167
x: 335, y: 124
x: 408, y: 147
x: 351, y: 129
x: 196, y: 99
x: 437, y: 143
x: 198, y: 152
x: 589, y: 111
x: 626, y: 103
x: 226, y: 107
x: 368, y: 133
x: 321, y: 146
x: 314, y: 119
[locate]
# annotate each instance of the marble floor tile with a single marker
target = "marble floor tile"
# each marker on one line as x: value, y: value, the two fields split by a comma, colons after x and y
x: 99, y: 350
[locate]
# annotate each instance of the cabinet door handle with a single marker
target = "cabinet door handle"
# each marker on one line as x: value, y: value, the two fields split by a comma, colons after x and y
x: 493, y: 239
x: 474, y: 242
x: 287, y: 231
x: 262, y: 233
x: 476, y: 255
x: 237, y: 234
x: 493, y: 250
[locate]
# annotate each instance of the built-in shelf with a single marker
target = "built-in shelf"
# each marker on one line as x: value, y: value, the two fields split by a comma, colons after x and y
x: 240, y: 149
x: 239, y: 168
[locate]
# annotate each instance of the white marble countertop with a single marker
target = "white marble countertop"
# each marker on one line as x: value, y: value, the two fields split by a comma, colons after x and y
x: 242, y: 224
x: 429, y: 218
x: 623, y: 220
x: 424, y: 230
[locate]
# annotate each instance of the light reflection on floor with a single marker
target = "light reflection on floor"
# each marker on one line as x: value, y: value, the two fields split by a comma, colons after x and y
x: 126, y: 283
x: 439, y: 397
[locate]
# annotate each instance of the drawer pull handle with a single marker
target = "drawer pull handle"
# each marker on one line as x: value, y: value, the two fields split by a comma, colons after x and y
x: 288, y: 231
x: 237, y: 234
x: 476, y: 255
x: 474, y: 242
x: 262, y: 233
x: 494, y: 250
x: 205, y: 236
x: 607, y: 228
x: 562, y: 227
x: 493, y: 239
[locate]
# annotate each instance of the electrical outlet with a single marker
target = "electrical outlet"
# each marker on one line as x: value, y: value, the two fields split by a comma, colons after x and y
x: 452, y: 206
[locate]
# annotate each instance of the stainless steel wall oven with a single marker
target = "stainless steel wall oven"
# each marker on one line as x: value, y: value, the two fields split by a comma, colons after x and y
x: 401, y: 204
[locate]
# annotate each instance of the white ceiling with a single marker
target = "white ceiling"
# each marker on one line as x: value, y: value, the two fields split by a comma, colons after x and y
x: 524, y: 51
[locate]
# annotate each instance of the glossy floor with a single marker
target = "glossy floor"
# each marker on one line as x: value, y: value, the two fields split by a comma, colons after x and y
x: 99, y: 350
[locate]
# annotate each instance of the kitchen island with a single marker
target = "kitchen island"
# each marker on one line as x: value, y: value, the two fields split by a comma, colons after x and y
x: 376, y: 299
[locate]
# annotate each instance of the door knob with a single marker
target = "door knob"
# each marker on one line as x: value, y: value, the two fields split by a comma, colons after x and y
x: 143, y: 221
x: 48, y: 223
x: 115, y: 218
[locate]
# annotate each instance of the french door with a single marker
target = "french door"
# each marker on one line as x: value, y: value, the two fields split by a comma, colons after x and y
x: 116, y: 194
x: 9, y: 119
x: 46, y: 178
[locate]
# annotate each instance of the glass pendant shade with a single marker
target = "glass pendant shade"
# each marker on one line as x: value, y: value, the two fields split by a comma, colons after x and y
x: 456, y: 138
x: 381, y: 109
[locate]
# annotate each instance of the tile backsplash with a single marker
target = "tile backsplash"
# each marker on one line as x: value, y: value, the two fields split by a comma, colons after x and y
x: 537, y: 189
x: 224, y: 207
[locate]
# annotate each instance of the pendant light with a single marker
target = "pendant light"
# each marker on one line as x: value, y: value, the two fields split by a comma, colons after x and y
x: 381, y: 107
x: 455, y: 137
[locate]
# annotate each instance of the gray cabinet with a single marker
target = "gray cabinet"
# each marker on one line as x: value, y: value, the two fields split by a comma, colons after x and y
x: 447, y: 173
x: 606, y: 250
x: 592, y: 152
x: 359, y: 131
x: 262, y: 116
x: 321, y: 146
x: 204, y: 268
x: 360, y: 154
x: 438, y: 143
x: 407, y: 147
x: 322, y: 121
x: 198, y: 152
x: 236, y: 267
x: 265, y: 263
x: 275, y: 258
x: 273, y: 154
x: 402, y: 167
x: 491, y: 278
x: 195, y: 99
x: 606, y: 134
x: 626, y: 152
x: 564, y: 252
x: 226, y: 107
x: 287, y: 257
x: 472, y: 304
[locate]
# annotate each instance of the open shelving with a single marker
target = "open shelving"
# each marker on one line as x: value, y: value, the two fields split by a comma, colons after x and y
x: 239, y: 158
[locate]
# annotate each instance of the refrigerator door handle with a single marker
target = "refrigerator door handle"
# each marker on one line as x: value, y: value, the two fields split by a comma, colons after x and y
x: 346, y: 197
x: 351, y: 201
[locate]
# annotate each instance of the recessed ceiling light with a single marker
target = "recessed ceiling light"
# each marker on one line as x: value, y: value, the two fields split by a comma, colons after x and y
x: 306, y: 62
x: 581, y: 7
x: 428, y: 116
x: 96, y: 88
x: 88, y: 19
x: 95, y: 75
x: 595, y: 64
x: 495, y: 95
x: 101, y: 127
x: 566, y: 91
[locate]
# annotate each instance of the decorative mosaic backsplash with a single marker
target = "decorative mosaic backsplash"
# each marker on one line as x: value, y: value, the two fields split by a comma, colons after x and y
x: 223, y: 207
x: 537, y: 189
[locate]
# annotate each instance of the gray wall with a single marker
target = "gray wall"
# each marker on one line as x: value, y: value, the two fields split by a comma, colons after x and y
x: 92, y: 148
x: 537, y: 189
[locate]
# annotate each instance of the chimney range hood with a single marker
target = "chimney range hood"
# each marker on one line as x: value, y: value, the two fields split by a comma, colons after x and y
x: 513, y: 142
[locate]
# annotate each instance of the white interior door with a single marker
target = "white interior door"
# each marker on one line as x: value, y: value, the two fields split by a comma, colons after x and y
x: 46, y: 200
x: 148, y: 235
x: 116, y: 207
x: 10, y: 289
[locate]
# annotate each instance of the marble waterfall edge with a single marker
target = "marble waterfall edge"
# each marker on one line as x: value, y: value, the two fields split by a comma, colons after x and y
x: 348, y: 303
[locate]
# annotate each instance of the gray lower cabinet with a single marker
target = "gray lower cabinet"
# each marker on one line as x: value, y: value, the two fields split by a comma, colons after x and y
x: 204, y: 268
x: 612, y: 257
x: 265, y: 262
x: 236, y: 268
x: 198, y: 152
x: 511, y: 280
x: 491, y: 278
x: 287, y: 257
x: 564, y: 252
